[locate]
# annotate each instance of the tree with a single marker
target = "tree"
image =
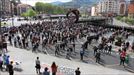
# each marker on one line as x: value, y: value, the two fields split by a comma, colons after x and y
x: 39, y: 6
x: 31, y: 13
x: 49, y: 8
x: 24, y: 14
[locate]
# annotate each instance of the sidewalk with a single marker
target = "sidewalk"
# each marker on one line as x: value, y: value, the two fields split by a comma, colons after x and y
x: 119, y: 23
x: 28, y: 64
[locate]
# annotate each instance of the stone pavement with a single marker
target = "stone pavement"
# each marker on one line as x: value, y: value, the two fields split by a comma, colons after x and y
x: 28, y: 64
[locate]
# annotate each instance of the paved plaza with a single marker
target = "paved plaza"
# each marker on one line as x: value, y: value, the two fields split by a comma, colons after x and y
x: 110, y: 63
x: 28, y: 64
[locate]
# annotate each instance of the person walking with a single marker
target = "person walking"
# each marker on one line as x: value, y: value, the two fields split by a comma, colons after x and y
x: 95, y: 49
x: 1, y: 62
x: 77, y: 71
x: 10, y: 68
x: 97, y: 56
x: 122, y: 57
x: 81, y: 54
x: 46, y: 72
x: 38, y: 67
x: 109, y: 49
x: 7, y: 62
x: 54, y: 68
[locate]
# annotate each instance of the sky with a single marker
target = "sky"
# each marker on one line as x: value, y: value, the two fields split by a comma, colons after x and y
x: 32, y: 2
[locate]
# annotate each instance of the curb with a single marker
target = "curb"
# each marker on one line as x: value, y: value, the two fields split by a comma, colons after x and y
x: 129, y: 69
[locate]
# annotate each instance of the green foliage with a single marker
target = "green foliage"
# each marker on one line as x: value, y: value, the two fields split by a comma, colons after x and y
x: 24, y: 14
x: 119, y: 17
x: 29, y: 13
x: 131, y: 21
x: 39, y: 7
x: 126, y: 19
x: 49, y: 8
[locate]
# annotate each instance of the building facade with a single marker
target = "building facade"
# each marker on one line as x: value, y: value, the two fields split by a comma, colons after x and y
x: 8, y: 7
x: 21, y: 8
x: 5, y: 7
x: 94, y: 10
x: 131, y: 9
x: 117, y: 7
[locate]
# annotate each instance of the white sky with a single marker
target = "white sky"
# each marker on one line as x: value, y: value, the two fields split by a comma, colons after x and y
x: 32, y: 2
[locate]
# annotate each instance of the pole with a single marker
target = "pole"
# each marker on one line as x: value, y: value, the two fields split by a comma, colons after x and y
x: 0, y: 15
x: 0, y: 21
x: 12, y: 14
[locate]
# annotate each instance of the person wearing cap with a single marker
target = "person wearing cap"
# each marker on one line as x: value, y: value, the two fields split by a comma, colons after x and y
x: 10, y: 68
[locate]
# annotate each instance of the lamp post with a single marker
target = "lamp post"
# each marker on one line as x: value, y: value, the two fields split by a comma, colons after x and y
x: 0, y: 14
x: 11, y: 2
x: 0, y: 22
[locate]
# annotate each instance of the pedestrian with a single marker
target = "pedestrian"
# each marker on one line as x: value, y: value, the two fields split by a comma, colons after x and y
x: 132, y: 46
x: 98, y: 57
x: 127, y: 45
x: 26, y: 44
x: 122, y: 57
x: 1, y: 62
x: 81, y: 54
x: 68, y: 54
x: 10, y: 39
x: 56, y: 49
x: 34, y: 47
x: 73, y: 46
x: 110, y: 49
x: 95, y: 49
x: 10, y: 68
x: 7, y: 62
x: 46, y: 72
x: 15, y: 42
x: 77, y: 71
x: 54, y: 68
x: 23, y: 42
x: 37, y: 66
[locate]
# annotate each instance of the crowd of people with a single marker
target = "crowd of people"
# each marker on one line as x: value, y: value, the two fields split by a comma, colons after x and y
x: 62, y: 35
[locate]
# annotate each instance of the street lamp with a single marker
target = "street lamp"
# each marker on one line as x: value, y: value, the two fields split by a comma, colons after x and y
x: 0, y: 14
x: 11, y: 2
x: 0, y: 22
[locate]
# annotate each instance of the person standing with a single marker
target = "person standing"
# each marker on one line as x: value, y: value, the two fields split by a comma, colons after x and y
x: 132, y: 46
x: 38, y: 67
x: 46, y: 72
x: 81, y: 54
x: 56, y: 49
x: 54, y: 68
x: 10, y: 68
x: 122, y: 57
x: 1, y: 62
x: 97, y: 56
x: 7, y: 62
x: 77, y: 71
x: 10, y: 39
x: 109, y: 49
x: 73, y: 46
x: 95, y: 49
